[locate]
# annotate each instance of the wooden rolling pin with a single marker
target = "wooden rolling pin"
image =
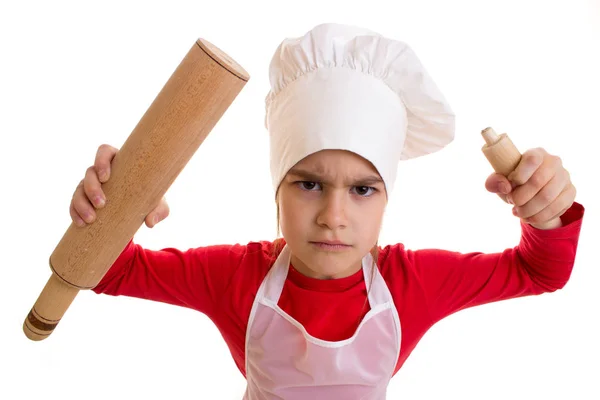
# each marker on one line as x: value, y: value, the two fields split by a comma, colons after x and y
x: 187, y: 108
x: 500, y: 151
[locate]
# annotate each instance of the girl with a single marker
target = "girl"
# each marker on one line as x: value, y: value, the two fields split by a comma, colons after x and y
x: 325, y: 312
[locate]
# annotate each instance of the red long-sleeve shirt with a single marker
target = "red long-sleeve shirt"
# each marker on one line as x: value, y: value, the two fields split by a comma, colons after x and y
x: 426, y: 285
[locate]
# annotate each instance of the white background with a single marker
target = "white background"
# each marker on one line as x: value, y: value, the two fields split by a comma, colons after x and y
x: 79, y: 74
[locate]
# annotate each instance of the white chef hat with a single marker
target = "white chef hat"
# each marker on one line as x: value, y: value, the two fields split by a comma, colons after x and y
x: 349, y: 88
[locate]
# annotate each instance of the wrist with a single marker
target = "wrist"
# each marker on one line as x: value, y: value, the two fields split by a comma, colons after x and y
x: 552, y: 224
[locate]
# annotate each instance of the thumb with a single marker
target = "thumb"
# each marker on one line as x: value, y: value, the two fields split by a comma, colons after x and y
x: 498, y: 183
x: 158, y: 214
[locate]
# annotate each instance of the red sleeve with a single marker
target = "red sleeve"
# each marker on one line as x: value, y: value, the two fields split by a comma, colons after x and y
x: 195, y: 278
x: 541, y: 262
x: 220, y: 281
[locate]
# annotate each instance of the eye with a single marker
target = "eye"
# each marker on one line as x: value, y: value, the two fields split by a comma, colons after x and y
x: 306, y: 185
x: 363, y: 190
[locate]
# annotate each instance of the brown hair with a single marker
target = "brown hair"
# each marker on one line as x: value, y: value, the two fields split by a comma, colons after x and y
x: 278, y: 245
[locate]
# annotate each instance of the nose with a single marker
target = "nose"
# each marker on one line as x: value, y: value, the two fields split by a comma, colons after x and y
x: 332, y: 213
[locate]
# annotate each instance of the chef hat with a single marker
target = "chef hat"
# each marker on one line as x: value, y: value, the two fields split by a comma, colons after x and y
x: 346, y: 87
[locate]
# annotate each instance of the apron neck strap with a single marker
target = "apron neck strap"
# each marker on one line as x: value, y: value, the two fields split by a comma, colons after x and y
x: 275, y: 279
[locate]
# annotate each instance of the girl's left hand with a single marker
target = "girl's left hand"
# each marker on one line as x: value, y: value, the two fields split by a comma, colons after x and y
x: 540, y: 189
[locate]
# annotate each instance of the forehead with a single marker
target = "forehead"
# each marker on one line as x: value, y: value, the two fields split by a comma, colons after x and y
x: 336, y: 163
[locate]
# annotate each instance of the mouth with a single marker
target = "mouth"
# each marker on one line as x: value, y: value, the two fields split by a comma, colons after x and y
x: 331, y: 245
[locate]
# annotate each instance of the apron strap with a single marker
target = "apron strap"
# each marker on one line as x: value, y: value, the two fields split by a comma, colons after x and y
x: 374, y: 282
x: 274, y: 281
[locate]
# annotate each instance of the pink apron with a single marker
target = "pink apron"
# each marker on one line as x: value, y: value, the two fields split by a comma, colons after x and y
x: 283, y: 361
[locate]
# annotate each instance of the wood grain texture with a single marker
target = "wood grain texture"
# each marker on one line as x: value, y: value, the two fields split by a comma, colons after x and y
x: 184, y: 112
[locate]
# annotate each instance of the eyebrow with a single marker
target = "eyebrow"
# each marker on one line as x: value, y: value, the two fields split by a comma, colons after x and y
x: 313, y: 177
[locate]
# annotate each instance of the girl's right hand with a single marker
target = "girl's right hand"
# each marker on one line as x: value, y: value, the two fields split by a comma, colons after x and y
x: 89, y: 196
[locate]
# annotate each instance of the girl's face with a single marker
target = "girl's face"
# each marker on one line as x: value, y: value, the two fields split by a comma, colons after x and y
x: 331, y: 196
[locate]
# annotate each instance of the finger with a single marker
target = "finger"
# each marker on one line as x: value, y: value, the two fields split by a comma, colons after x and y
x: 573, y: 192
x: 82, y: 205
x: 564, y: 200
x: 93, y: 188
x: 530, y: 162
x: 102, y: 163
x: 540, y: 178
x: 559, y: 214
x: 158, y: 214
x: 497, y: 183
x: 75, y: 216
x: 541, y: 199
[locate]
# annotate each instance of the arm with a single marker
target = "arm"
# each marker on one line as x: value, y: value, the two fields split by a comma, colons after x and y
x: 542, y: 262
x: 195, y: 278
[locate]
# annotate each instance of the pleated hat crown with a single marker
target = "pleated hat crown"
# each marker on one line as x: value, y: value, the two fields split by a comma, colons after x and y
x: 349, y: 88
